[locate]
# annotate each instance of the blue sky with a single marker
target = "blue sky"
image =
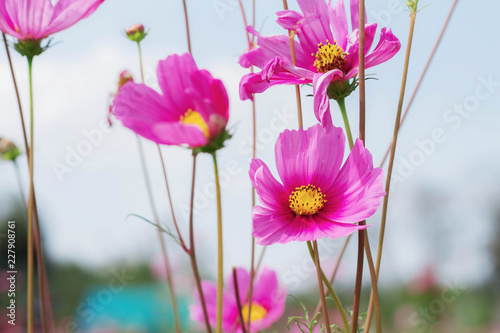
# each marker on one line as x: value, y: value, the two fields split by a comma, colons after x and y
x: 442, y: 207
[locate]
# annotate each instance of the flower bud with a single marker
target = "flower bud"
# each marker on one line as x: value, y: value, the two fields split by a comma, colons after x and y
x: 8, y: 150
x: 125, y: 77
x: 136, y: 32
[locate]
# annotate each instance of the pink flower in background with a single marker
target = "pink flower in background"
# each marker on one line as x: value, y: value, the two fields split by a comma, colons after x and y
x: 193, y: 108
x: 325, y: 51
x: 268, y: 302
x: 38, y: 19
x: 317, y: 197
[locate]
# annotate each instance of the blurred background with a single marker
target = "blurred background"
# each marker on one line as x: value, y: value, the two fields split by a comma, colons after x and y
x: 440, y: 269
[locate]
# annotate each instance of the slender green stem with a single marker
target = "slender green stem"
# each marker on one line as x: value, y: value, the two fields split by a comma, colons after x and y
x: 140, y: 61
x: 30, y: 207
x: 393, y: 152
x: 341, y: 103
x: 220, y: 257
x: 336, y: 299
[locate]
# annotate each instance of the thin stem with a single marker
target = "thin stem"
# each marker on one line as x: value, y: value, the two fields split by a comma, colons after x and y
x: 220, y: 258
x: 245, y: 23
x: 341, y: 103
x: 285, y: 5
x: 188, y: 35
x: 192, y: 251
x: 393, y: 148
x: 140, y: 61
x: 19, y: 182
x: 238, y: 301
x: 429, y: 60
x: 297, y: 87
x: 361, y: 233
x: 336, y: 299
x: 30, y: 208
x: 373, y: 276
x: 320, y: 285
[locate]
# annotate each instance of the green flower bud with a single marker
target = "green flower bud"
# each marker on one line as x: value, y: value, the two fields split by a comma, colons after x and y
x: 8, y: 150
x: 136, y: 32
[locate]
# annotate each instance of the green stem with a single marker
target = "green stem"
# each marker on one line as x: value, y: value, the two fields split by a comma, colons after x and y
x: 220, y: 277
x: 320, y: 286
x: 30, y: 207
x: 341, y: 103
x: 336, y: 299
x: 140, y: 61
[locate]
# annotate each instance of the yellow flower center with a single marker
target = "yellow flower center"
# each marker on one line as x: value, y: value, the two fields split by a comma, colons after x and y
x: 194, y: 118
x: 329, y: 57
x: 307, y: 200
x: 258, y: 313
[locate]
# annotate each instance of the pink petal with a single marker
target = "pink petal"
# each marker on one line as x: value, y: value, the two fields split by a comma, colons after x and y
x: 358, y: 189
x: 338, y: 21
x: 69, y: 12
x: 386, y: 48
x: 309, y: 156
x: 288, y: 19
x: 269, y: 224
x: 315, y: 27
x: 174, y: 78
x: 175, y: 133
x: 243, y: 283
x: 140, y: 108
x: 253, y: 83
x: 321, y: 99
x: 271, y: 193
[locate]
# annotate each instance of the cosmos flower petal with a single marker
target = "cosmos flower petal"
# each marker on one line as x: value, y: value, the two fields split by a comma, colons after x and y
x: 175, y: 133
x: 353, y: 57
x: 338, y: 21
x: 288, y: 19
x: 270, y: 191
x: 269, y: 224
x: 309, y: 156
x: 69, y: 12
x: 315, y: 27
x: 253, y: 83
x: 321, y: 100
x: 358, y: 189
x: 386, y: 48
x: 174, y: 78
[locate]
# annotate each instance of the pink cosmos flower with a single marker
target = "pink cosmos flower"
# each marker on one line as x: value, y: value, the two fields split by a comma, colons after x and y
x: 317, y: 197
x: 193, y: 108
x: 38, y: 19
x: 325, y: 51
x: 268, y: 302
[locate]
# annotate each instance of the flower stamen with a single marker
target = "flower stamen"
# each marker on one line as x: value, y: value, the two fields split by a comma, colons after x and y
x: 194, y: 118
x: 307, y: 200
x: 329, y: 57
x: 257, y: 313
